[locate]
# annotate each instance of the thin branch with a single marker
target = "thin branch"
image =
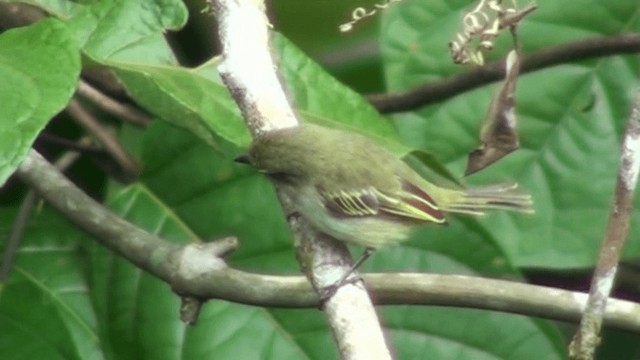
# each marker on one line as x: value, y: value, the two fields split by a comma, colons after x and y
x: 77, y: 146
x: 17, y: 232
x: 248, y: 70
x: 79, y: 113
x: 587, y: 337
x: 196, y: 271
x: 16, y: 15
x: 459, y: 83
x: 121, y: 110
x: 481, y: 293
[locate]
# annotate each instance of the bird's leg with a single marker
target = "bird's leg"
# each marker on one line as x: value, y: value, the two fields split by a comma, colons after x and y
x: 331, y: 290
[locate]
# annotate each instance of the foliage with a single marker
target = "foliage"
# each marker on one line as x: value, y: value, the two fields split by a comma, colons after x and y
x: 69, y: 298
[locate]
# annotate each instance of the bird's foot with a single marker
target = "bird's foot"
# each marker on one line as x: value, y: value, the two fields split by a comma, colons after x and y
x: 331, y: 290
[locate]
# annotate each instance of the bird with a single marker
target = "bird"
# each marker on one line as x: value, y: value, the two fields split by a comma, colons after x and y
x: 351, y: 188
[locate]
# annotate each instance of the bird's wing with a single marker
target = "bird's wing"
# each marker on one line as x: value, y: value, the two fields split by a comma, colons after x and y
x: 348, y: 203
x: 411, y: 203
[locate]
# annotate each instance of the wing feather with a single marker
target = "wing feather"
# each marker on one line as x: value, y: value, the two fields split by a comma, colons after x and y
x: 343, y: 203
x: 411, y: 203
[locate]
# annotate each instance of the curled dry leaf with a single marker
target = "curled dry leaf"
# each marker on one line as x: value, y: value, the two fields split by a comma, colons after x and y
x: 498, y: 135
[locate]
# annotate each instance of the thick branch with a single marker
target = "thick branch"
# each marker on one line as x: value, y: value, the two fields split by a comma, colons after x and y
x: 114, y: 232
x: 456, y: 84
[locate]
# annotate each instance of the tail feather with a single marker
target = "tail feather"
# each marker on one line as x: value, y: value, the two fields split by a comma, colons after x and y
x: 475, y: 201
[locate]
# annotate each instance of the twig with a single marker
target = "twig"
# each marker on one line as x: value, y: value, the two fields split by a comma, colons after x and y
x: 248, y: 72
x: 123, y: 111
x: 587, y: 337
x: 456, y: 84
x: 111, y: 145
x: 16, y: 15
x: 195, y: 270
x: 77, y: 146
x: 16, y: 235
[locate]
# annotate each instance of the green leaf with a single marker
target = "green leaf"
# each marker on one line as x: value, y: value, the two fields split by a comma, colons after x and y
x: 39, y: 67
x: 130, y: 30
x: 570, y: 119
x: 120, y: 30
x: 323, y: 100
x: 187, y: 98
x: 469, y: 334
x: 45, y: 306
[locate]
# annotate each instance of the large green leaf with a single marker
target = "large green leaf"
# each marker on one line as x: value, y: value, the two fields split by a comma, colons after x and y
x: 45, y: 306
x: 196, y: 100
x: 442, y: 333
x: 39, y: 66
x: 120, y: 30
x: 571, y: 118
x: 131, y: 31
x: 322, y: 99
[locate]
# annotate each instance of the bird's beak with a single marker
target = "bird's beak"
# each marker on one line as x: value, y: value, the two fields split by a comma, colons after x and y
x: 244, y: 159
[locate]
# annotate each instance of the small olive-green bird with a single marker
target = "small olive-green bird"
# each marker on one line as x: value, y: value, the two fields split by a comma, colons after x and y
x: 356, y: 191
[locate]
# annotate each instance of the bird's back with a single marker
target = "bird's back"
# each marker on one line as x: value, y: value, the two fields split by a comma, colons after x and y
x: 357, y: 161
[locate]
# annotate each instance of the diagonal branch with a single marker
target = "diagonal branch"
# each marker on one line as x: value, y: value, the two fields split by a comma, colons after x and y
x: 587, y: 338
x: 116, y: 108
x: 440, y: 90
x: 24, y: 214
x: 86, y: 119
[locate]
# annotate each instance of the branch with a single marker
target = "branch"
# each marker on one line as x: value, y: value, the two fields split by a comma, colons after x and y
x: 17, y: 15
x: 83, y: 147
x: 196, y: 271
x: 587, y: 337
x: 108, y: 104
x: 17, y: 232
x: 456, y: 84
x: 248, y: 71
x: 129, y: 165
